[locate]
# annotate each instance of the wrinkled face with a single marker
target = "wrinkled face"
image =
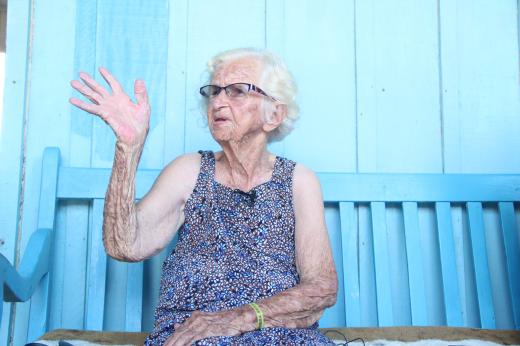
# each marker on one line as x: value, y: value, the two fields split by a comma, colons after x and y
x: 236, y: 120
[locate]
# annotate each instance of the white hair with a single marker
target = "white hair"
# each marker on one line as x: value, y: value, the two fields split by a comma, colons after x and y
x: 277, y: 82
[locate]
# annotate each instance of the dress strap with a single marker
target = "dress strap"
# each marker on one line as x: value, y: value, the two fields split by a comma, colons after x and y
x: 207, y: 166
x: 283, y: 171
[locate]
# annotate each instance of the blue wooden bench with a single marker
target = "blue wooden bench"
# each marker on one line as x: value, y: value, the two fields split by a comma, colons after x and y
x: 410, y: 249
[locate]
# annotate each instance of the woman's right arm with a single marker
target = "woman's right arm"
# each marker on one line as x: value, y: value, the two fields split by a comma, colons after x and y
x: 133, y: 232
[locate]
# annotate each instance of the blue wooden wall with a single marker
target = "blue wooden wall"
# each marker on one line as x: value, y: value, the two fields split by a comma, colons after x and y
x: 385, y: 86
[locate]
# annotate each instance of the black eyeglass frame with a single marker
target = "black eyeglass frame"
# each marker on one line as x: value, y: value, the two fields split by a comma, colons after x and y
x: 219, y: 88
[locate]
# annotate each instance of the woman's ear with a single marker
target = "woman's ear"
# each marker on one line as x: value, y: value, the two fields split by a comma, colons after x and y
x: 275, y: 116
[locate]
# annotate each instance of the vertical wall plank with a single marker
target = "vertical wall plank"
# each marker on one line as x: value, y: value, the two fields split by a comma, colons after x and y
x: 394, y: 62
x: 325, y: 137
x: 480, y: 69
x: 75, y: 246
x: 415, y: 265
x: 381, y: 258
x: 226, y: 16
x: 19, y: 43
x: 350, y: 250
x: 480, y: 255
x: 449, y: 265
x: 43, y: 111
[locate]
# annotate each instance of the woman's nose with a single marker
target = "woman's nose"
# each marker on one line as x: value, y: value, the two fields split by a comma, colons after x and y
x: 219, y: 99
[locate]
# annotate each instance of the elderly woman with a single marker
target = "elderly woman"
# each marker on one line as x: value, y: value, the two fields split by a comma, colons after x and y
x: 253, y: 264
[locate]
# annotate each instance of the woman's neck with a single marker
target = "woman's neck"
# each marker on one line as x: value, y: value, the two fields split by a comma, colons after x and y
x: 244, y: 165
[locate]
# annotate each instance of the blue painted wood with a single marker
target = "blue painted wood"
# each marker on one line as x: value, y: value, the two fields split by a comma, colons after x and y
x: 335, y: 315
x: 19, y: 285
x: 350, y: 250
x: 479, y: 82
x: 480, y: 255
x: 384, y: 301
x: 96, y: 271
x: 363, y: 187
x: 367, y: 274
x: 39, y: 313
x: 449, y: 265
x: 12, y: 121
x: 335, y: 152
x: 134, y: 297
x: 176, y: 80
x: 512, y: 249
x: 227, y: 16
x: 420, y: 187
x: 415, y: 264
x: 388, y: 119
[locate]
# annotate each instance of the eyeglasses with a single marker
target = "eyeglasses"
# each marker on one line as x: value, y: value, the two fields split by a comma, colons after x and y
x: 235, y: 90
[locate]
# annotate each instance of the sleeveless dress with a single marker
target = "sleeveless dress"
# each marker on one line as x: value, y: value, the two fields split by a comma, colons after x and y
x: 234, y: 248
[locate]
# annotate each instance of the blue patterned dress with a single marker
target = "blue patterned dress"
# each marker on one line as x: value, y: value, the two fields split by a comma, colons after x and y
x: 234, y: 248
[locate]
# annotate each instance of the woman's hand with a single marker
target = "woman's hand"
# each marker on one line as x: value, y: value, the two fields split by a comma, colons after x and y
x: 128, y: 120
x: 206, y: 324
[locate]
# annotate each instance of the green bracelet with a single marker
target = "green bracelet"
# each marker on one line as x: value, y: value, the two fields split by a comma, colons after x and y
x: 259, y: 315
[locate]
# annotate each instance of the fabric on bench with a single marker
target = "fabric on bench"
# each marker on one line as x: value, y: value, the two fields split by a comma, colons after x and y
x: 407, y: 334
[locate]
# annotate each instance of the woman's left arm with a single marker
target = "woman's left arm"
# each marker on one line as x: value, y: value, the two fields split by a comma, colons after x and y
x: 298, y: 307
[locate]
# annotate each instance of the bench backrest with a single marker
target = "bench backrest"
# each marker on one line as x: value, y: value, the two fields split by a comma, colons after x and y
x: 410, y: 249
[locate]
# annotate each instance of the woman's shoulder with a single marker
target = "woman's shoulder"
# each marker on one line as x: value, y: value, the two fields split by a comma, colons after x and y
x: 305, y: 181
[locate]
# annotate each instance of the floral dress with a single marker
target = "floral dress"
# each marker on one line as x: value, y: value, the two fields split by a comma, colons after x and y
x: 234, y: 248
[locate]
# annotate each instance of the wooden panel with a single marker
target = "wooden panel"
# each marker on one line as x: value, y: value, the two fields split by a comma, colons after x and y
x: 480, y: 98
x: 134, y: 297
x: 39, y: 312
x: 130, y: 41
x: 96, y: 270
x: 244, y: 18
x: 350, y: 250
x: 420, y: 188
x: 335, y: 315
x: 449, y: 265
x: 176, y: 80
x: 326, y: 83
x: 478, y: 244
x: 393, y: 62
x: 511, y: 244
x: 367, y: 273
x: 42, y: 111
x: 381, y: 258
x: 415, y: 263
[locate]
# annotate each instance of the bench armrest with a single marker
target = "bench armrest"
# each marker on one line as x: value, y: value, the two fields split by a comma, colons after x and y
x: 19, y: 285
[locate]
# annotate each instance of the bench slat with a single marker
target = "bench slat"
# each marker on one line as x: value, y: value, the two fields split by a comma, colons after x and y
x: 383, y: 285
x: 450, y: 279
x: 349, y: 248
x: 511, y: 244
x: 134, y: 297
x: 39, y: 311
x: 480, y: 255
x: 415, y: 264
x: 96, y: 271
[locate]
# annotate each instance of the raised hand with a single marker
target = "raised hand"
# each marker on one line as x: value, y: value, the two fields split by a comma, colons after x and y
x: 129, y: 120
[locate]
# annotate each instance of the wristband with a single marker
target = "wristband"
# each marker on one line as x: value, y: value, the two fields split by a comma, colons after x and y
x: 259, y: 315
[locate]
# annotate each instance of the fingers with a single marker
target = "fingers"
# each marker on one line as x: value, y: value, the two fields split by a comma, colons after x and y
x: 87, y: 92
x: 141, y: 95
x: 88, y: 107
x: 111, y: 80
x: 92, y: 84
